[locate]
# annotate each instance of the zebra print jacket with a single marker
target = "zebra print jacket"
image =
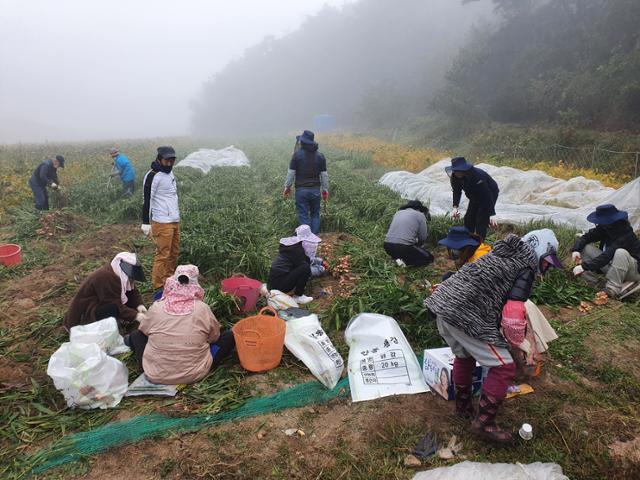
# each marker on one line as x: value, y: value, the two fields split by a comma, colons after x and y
x: 472, y: 299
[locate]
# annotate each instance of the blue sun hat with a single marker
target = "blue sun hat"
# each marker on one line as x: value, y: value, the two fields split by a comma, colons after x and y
x: 606, y: 215
x: 458, y: 164
x: 307, y: 137
x: 458, y: 238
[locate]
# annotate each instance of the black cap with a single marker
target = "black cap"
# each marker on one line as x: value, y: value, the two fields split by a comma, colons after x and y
x: 134, y: 272
x: 166, y: 152
x: 60, y: 159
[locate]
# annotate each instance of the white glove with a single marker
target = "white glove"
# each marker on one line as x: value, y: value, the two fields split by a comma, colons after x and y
x: 54, y: 185
x: 578, y: 270
x: 146, y: 229
x: 493, y: 222
x: 455, y: 213
x: 575, y: 256
x: 140, y: 316
x: 142, y: 309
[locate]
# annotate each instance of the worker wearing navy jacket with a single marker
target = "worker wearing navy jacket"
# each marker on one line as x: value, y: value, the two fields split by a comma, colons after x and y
x: 481, y: 190
x: 45, y: 175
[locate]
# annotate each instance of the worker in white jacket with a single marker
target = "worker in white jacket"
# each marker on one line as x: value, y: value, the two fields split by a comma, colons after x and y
x: 161, y: 216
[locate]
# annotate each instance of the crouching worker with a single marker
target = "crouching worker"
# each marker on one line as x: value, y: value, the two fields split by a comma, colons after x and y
x: 463, y: 247
x: 109, y: 291
x: 291, y: 269
x: 618, y: 253
x: 470, y: 310
x: 406, y: 234
x: 179, y: 339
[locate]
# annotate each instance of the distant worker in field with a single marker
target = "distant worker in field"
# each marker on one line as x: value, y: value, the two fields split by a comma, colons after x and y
x: 45, y: 175
x: 308, y: 168
x: 123, y: 169
x: 161, y: 216
x: 617, y: 256
x: 406, y: 235
x: 481, y: 190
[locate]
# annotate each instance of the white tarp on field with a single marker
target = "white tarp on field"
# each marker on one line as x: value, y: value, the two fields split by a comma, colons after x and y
x: 205, y: 159
x: 524, y: 195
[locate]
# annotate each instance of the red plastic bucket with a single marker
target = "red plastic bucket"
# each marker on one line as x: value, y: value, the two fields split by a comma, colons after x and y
x: 10, y: 254
x: 244, y: 288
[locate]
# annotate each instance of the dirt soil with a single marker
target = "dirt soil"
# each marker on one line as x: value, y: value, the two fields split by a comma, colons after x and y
x: 53, y: 285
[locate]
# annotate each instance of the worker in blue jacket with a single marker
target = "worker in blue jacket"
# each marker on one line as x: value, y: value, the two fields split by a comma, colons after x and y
x: 123, y: 169
x: 481, y: 190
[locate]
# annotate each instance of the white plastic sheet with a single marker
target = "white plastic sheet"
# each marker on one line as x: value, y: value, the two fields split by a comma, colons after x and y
x: 103, y: 332
x: 381, y: 361
x: 87, y: 376
x: 494, y: 471
x: 524, y: 195
x: 205, y: 159
x: 142, y: 386
x: 308, y: 342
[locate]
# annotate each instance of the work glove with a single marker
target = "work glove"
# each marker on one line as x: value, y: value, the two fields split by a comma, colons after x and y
x: 514, y: 322
x: 286, y: 192
x: 146, y: 229
x: 54, y: 185
x: 142, y: 309
x: 576, y: 257
x: 578, y: 270
x: 493, y: 222
x: 325, y: 195
x: 455, y: 213
x: 140, y: 316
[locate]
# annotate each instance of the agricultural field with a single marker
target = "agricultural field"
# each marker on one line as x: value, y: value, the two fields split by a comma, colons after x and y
x: 585, y: 410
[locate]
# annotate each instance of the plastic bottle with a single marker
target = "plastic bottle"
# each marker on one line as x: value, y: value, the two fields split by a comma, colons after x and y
x: 526, y: 431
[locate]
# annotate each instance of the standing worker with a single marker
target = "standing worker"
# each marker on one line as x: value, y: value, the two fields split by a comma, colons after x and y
x: 161, y: 216
x: 308, y: 168
x: 481, y: 190
x: 45, y: 175
x: 124, y: 170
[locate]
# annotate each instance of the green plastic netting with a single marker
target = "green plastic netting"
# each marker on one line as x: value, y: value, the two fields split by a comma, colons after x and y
x: 79, y: 445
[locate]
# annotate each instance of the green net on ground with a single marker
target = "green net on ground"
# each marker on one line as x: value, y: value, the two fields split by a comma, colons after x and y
x: 79, y: 445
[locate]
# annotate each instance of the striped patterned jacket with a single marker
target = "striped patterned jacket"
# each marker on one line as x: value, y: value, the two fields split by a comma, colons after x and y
x: 472, y: 299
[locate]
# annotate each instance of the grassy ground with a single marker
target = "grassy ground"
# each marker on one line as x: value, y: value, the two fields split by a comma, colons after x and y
x: 585, y: 400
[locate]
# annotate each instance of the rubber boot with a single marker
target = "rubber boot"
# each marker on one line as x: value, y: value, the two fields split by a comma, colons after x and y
x: 464, y: 402
x: 463, y: 378
x: 485, y: 425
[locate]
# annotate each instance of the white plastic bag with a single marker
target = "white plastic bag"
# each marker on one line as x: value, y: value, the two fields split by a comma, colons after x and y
x: 306, y: 339
x: 280, y: 301
x: 103, y: 332
x: 87, y: 376
x: 494, y: 471
x: 381, y: 361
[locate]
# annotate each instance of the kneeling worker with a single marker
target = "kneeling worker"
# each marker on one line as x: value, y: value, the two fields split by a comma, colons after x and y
x: 618, y: 255
x: 109, y: 292
x: 406, y: 234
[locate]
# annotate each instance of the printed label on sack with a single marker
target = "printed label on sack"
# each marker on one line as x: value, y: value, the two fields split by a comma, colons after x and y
x: 321, y: 338
x: 385, y: 368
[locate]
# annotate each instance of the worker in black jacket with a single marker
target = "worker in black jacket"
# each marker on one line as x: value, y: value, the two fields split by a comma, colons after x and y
x: 45, y: 175
x: 481, y: 190
x: 291, y: 269
x: 618, y: 253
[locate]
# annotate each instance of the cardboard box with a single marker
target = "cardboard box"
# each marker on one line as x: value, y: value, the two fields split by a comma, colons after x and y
x: 437, y: 368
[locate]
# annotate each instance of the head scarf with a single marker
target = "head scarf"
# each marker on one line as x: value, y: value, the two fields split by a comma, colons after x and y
x: 126, y: 285
x: 181, y: 299
x: 309, y: 240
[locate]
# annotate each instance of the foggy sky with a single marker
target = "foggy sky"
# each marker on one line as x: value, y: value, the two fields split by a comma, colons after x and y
x: 97, y: 69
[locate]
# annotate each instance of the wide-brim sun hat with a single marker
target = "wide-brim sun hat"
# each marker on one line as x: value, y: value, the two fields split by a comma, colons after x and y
x: 457, y: 238
x: 459, y: 164
x: 307, y: 137
x: 606, y: 215
x: 304, y: 232
x: 288, y: 241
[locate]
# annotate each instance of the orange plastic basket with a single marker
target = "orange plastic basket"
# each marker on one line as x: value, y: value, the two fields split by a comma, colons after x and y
x: 10, y: 254
x: 260, y: 340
